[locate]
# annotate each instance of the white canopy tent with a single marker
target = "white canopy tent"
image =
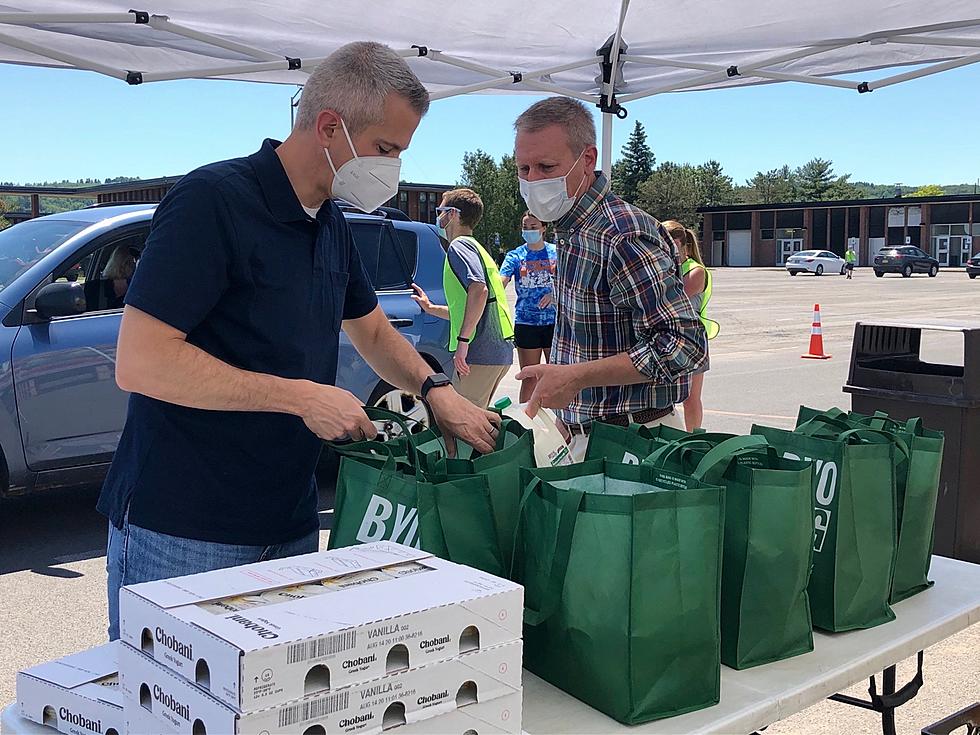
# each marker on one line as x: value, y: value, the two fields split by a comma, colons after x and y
x: 558, y: 47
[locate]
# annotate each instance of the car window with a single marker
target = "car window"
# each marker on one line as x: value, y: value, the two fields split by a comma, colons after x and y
x: 106, y: 272
x: 825, y: 254
x: 395, y: 267
x: 808, y: 253
x: 890, y: 251
x: 24, y: 244
x: 920, y: 253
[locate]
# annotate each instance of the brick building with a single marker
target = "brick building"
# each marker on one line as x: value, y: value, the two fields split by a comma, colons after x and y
x: 948, y: 228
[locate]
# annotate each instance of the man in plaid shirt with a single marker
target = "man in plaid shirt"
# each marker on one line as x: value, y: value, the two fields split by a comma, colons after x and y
x: 627, y: 338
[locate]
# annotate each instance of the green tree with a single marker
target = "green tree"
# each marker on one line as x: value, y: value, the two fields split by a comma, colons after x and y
x: 815, y: 180
x: 672, y: 192
x: 843, y: 188
x: 500, y: 228
x: 929, y: 190
x: 4, y: 224
x: 635, y: 166
x: 770, y: 187
x: 716, y: 188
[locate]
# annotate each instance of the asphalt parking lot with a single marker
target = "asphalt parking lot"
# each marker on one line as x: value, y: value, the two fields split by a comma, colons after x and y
x: 52, y: 563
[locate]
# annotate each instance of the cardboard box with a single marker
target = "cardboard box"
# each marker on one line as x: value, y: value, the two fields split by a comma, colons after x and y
x: 497, y: 717
x: 78, y: 694
x: 385, y: 608
x: 159, y: 701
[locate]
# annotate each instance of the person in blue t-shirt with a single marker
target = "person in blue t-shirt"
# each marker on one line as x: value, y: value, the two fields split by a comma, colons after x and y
x: 532, y: 268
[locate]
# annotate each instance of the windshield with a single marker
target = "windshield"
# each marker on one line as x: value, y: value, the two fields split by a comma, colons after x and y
x: 807, y: 254
x: 23, y: 245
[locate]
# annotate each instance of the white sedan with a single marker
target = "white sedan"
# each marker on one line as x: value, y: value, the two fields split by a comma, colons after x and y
x: 815, y: 261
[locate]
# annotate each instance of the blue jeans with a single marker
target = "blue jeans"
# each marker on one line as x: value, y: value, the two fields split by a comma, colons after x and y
x: 138, y: 555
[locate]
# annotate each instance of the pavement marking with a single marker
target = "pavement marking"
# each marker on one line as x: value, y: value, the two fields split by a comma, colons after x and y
x: 750, y: 415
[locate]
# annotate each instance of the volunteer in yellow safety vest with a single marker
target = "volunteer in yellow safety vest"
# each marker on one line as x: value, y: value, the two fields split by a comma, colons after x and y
x: 697, y: 286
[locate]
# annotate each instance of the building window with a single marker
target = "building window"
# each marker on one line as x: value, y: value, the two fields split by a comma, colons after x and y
x: 950, y: 213
x: 739, y: 221
x: 854, y: 222
x: 403, y: 201
x: 767, y: 221
x: 838, y: 234
x: 769, y: 234
x: 876, y: 222
x: 819, y: 240
x: 792, y: 218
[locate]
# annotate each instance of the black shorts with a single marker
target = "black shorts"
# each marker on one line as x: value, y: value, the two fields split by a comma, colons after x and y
x: 533, y: 337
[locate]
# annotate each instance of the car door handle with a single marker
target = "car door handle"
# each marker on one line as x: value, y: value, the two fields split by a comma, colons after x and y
x: 401, y: 323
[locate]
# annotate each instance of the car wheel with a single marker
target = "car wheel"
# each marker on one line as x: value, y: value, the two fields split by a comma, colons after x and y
x: 972, y: 275
x: 933, y: 270
x: 907, y: 272
x: 793, y: 273
x: 819, y: 270
x: 843, y: 270
x: 879, y: 274
x: 405, y: 403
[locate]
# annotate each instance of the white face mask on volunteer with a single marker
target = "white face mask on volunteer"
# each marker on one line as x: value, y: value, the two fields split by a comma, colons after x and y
x: 367, y: 182
x: 548, y: 199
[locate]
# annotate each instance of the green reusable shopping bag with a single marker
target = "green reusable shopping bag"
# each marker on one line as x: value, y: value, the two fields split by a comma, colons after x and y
x: 381, y: 495
x: 628, y: 445
x: 502, y: 470
x: 765, y: 610
x: 621, y: 567
x: 917, y: 492
x: 854, y: 527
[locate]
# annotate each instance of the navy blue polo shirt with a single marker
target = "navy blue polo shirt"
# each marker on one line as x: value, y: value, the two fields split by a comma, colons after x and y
x: 234, y: 261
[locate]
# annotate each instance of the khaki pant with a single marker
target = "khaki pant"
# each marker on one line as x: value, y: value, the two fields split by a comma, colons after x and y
x: 580, y: 442
x: 479, y: 386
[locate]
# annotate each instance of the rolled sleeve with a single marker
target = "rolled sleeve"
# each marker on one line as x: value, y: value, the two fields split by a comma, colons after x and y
x: 183, y: 269
x: 644, y: 279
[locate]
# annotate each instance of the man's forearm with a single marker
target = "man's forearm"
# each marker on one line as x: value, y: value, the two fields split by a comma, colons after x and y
x: 615, y: 370
x: 476, y: 302
x: 438, y: 310
x: 180, y: 373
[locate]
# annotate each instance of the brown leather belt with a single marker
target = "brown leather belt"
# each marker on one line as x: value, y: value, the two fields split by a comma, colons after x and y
x: 624, y: 419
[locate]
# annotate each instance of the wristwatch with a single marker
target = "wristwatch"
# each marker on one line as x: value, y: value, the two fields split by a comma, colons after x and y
x: 434, y: 381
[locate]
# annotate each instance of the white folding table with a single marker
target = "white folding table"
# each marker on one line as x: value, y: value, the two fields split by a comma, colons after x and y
x: 755, y: 698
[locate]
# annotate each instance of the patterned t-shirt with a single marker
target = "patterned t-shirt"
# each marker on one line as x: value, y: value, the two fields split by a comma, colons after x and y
x: 533, y: 272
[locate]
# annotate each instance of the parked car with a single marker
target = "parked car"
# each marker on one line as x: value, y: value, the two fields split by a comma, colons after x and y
x: 973, y: 266
x: 817, y: 262
x: 61, y: 412
x: 905, y: 260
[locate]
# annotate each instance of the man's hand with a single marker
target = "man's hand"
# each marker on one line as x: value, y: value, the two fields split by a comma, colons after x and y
x: 421, y: 298
x: 457, y: 418
x: 555, y: 386
x: 334, y: 413
x: 546, y: 301
x: 459, y: 359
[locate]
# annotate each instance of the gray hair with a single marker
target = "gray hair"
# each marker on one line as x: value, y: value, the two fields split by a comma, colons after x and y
x: 121, y: 264
x: 354, y: 81
x: 569, y: 114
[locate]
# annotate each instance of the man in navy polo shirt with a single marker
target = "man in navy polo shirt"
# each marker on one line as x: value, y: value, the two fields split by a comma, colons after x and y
x: 230, y: 334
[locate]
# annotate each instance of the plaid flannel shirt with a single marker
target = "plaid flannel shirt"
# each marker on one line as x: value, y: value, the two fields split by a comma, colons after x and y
x: 618, y: 289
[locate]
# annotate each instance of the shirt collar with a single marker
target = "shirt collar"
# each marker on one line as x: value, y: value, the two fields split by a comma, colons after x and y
x: 586, y: 203
x: 278, y: 191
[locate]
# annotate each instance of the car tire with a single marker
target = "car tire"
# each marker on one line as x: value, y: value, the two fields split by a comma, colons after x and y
x: 843, y: 270
x: 819, y: 270
x: 907, y: 272
x: 793, y: 273
x: 399, y: 401
x: 933, y: 271
x: 972, y: 275
x: 879, y: 274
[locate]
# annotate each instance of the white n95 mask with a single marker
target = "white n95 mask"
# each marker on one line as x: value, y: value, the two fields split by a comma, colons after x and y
x: 548, y: 199
x: 367, y: 182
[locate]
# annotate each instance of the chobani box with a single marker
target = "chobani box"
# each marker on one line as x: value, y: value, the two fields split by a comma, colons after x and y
x: 262, y: 634
x: 159, y: 701
x: 496, y: 717
x: 78, y: 694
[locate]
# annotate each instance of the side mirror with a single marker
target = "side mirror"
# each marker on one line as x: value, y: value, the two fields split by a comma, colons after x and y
x: 60, y: 299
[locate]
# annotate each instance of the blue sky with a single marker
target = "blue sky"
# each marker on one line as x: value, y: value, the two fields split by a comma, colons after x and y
x: 60, y: 124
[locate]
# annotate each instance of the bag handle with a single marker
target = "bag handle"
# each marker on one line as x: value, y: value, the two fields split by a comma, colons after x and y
x: 821, y: 422
x: 728, y: 450
x: 863, y: 435
x: 701, y: 440
x: 569, y: 505
x: 375, y: 413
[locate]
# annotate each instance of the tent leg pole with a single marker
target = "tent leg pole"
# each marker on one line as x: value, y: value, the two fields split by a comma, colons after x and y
x: 607, y: 142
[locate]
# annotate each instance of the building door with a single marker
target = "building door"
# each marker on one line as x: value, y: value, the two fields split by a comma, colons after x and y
x: 717, y: 248
x: 740, y: 247
x: 941, y: 246
x: 967, y: 249
x: 787, y: 248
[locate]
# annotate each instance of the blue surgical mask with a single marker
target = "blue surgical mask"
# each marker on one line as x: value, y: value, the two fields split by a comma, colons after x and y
x: 531, y: 237
x: 442, y: 231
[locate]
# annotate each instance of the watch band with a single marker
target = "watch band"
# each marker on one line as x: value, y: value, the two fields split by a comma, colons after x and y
x: 461, y: 338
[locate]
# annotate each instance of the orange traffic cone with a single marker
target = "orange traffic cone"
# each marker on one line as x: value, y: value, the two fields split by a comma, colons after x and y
x: 816, y: 338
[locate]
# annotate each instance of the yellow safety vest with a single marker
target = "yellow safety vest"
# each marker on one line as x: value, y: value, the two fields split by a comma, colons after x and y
x: 711, y: 327
x: 456, y: 295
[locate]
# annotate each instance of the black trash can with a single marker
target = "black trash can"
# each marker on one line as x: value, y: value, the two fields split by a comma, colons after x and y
x: 888, y: 374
